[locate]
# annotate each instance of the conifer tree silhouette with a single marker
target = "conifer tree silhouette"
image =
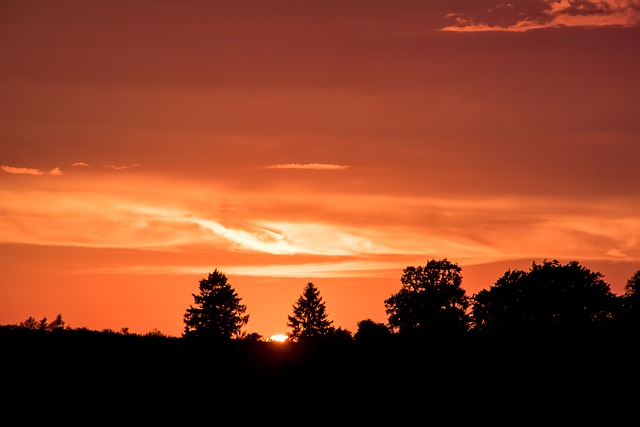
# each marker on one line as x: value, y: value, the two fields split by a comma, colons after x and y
x: 219, y: 312
x: 309, y: 317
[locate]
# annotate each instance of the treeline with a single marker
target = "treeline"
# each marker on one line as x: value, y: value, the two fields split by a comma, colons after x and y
x: 552, y: 342
x: 548, y: 300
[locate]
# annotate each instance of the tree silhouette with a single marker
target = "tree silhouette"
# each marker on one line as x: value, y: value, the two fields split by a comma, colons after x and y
x: 219, y: 312
x: 431, y: 301
x: 56, y: 324
x: 370, y: 331
x: 550, y: 298
x: 309, y: 319
x: 32, y: 323
x: 630, y: 315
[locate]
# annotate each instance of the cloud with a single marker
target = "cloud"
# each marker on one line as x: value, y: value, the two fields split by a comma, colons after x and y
x: 122, y: 167
x: 21, y: 171
x: 263, y: 240
x: 553, y: 14
x: 337, y: 269
x: 177, y: 215
x: 616, y: 253
x: 30, y: 171
x: 57, y: 171
x: 311, y: 166
x: 294, y: 238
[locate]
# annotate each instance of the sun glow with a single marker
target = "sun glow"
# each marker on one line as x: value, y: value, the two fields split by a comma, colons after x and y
x: 278, y: 338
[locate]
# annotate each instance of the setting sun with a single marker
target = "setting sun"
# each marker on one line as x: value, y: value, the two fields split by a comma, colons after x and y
x: 277, y: 338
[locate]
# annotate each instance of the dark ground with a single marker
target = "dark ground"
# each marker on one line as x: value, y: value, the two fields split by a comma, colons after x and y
x: 114, y: 378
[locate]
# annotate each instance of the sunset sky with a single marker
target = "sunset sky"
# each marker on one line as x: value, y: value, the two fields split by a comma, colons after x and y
x: 144, y: 144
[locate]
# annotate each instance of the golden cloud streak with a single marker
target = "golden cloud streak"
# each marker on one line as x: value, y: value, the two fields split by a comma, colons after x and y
x: 30, y: 171
x: 354, y: 268
x: 309, y: 166
x: 148, y: 213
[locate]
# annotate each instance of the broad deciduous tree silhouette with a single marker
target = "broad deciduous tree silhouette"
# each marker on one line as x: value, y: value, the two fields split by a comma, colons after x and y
x: 431, y: 301
x: 371, y: 331
x: 548, y: 299
x: 630, y: 315
x: 218, y: 312
x: 309, y: 319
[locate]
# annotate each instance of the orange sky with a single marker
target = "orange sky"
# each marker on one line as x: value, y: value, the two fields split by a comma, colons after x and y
x: 144, y: 144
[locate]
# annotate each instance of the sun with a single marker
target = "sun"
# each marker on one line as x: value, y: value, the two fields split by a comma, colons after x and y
x: 277, y: 338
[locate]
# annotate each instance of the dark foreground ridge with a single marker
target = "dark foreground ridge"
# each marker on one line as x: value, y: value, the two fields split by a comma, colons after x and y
x: 390, y: 379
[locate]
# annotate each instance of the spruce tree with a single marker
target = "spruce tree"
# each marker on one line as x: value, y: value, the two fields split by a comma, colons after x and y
x: 309, y: 317
x: 218, y: 312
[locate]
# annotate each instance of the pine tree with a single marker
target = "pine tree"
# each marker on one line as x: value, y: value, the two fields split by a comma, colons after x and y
x: 309, y: 317
x: 219, y: 312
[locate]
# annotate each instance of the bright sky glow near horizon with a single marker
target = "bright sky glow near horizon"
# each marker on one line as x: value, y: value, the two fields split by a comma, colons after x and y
x: 144, y: 144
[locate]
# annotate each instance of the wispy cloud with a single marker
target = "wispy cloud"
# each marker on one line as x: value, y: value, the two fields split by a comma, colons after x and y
x: 21, y: 171
x: 312, y: 166
x: 122, y: 167
x: 85, y: 165
x: 30, y: 171
x: 294, y: 238
x: 352, y: 268
x: 57, y: 171
x: 553, y: 14
x: 121, y: 214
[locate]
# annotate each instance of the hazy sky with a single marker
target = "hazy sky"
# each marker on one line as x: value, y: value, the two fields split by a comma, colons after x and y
x: 145, y: 143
